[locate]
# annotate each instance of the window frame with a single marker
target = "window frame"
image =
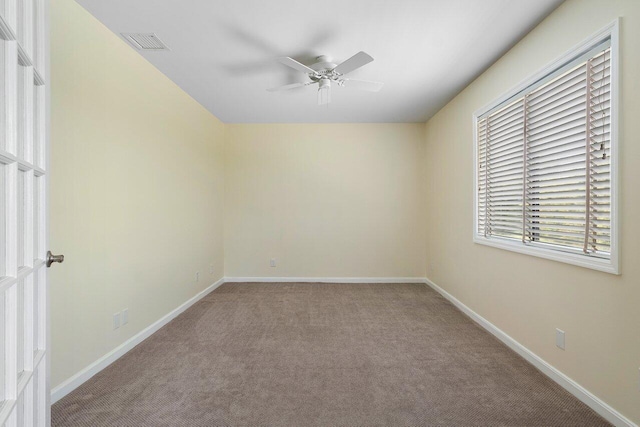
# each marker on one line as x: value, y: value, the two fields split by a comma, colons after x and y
x: 611, y: 265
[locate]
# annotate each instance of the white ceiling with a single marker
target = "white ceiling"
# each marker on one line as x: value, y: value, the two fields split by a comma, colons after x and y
x: 223, y: 53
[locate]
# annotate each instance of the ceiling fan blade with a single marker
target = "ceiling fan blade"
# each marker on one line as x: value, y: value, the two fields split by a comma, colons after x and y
x: 363, y: 85
x: 356, y: 61
x: 290, y: 62
x: 287, y: 87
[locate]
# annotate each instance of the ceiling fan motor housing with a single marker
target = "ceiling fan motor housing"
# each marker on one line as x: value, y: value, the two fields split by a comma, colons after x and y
x: 324, y: 66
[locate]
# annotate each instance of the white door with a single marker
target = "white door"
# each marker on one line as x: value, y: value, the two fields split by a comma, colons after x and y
x: 24, y: 395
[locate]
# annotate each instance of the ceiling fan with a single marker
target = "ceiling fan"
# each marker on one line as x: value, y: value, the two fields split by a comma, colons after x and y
x: 323, y: 72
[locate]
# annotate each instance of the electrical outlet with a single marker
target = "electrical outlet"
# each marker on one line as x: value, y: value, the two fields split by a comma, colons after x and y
x: 560, y: 338
x: 116, y: 321
x: 272, y: 263
x: 197, y: 276
x: 125, y: 316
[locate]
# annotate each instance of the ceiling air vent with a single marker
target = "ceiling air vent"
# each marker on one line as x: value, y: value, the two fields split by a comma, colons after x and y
x: 145, y: 41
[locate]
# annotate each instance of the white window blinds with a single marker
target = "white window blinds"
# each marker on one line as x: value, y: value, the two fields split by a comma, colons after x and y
x: 544, y: 161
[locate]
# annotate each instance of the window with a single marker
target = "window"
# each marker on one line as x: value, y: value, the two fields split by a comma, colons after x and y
x: 545, y: 161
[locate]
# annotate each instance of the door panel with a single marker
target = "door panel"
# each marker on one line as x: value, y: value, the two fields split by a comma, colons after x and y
x: 23, y: 291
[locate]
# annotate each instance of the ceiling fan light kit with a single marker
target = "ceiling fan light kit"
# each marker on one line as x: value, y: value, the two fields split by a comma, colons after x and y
x: 324, y: 92
x: 324, y: 71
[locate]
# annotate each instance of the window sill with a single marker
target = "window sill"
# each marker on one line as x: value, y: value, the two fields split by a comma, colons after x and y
x: 604, y: 265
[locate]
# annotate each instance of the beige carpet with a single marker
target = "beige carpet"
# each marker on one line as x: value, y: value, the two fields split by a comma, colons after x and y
x: 321, y: 355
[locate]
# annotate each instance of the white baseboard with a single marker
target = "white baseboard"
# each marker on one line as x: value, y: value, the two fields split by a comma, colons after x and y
x: 78, y: 379
x: 325, y: 279
x: 584, y: 395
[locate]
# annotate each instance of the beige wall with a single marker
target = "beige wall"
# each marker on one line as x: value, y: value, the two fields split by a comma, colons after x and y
x: 529, y: 297
x: 136, y: 191
x: 333, y: 200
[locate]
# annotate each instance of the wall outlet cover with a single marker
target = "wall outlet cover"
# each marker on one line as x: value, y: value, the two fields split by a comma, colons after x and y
x: 560, y: 338
x: 125, y: 316
x: 116, y: 321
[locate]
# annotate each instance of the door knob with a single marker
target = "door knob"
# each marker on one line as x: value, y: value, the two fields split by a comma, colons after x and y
x: 51, y: 258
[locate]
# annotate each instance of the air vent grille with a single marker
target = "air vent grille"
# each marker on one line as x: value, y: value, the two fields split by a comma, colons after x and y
x: 145, y: 41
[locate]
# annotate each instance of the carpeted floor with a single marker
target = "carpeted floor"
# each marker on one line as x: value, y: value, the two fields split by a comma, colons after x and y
x: 321, y: 355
